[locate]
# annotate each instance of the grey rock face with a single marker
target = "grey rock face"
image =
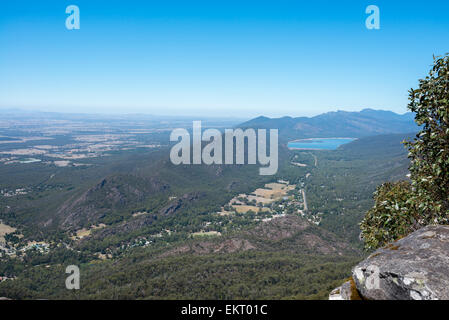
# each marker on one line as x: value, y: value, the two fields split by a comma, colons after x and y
x: 344, y: 292
x: 336, y: 294
x: 413, y: 268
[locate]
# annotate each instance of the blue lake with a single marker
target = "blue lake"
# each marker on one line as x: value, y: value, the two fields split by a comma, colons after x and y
x: 319, y: 143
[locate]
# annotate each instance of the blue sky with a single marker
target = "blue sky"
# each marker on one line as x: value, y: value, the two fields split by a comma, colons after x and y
x: 223, y: 58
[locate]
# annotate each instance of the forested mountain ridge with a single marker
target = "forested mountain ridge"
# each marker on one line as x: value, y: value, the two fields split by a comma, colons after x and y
x: 367, y: 122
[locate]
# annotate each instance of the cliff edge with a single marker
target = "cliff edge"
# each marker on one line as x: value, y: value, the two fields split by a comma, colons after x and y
x: 415, y: 267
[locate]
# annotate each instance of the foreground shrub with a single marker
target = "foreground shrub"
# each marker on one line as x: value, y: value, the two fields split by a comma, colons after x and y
x: 392, y: 216
x: 402, y: 207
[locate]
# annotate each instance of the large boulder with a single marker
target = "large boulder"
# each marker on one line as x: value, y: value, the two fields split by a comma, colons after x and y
x: 413, y: 268
x: 347, y: 291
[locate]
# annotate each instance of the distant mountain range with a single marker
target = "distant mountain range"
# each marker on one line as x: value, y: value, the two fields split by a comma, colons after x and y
x: 367, y: 122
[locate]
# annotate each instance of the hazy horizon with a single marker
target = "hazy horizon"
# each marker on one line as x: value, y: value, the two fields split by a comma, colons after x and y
x: 188, y: 116
x: 216, y: 58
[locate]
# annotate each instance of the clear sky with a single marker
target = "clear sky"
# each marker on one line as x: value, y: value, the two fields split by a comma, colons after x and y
x: 224, y: 58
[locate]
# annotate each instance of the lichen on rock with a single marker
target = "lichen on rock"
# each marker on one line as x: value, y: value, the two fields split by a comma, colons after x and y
x: 415, y: 267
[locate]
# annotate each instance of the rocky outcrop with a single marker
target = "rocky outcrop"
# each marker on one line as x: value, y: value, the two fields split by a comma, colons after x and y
x: 347, y: 291
x: 413, y: 268
x: 290, y: 233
